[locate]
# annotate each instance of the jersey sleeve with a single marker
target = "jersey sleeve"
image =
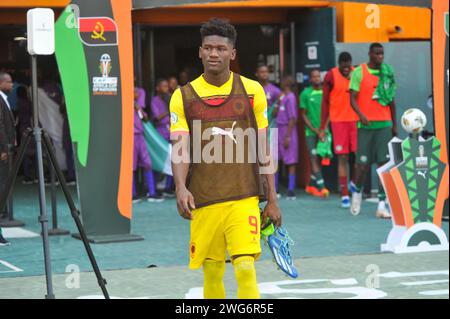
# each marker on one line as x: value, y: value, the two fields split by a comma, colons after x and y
x: 178, y: 121
x: 260, y: 106
x: 355, y: 80
x: 304, y: 99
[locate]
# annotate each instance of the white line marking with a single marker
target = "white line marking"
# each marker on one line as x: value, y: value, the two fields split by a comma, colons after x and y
x: 344, y: 282
x: 10, y: 266
x: 434, y: 292
x: 17, y: 232
x: 426, y: 282
x: 395, y: 274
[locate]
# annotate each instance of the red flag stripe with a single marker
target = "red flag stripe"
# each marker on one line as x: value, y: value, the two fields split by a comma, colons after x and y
x: 89, y: 24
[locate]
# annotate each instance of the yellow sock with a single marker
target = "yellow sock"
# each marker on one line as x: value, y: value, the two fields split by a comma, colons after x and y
x: 213, y: 272
x: 244, y: 268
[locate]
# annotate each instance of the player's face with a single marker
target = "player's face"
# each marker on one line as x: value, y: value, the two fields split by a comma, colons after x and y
x: 163, y: 87
x: 6, y: 84
x: 173, y: 84
x: 216, y: 53
x: 377, y: 56
x: 315, y: 78
x: 136, y: 94
x: 345, y: 68
x: 262, y: 74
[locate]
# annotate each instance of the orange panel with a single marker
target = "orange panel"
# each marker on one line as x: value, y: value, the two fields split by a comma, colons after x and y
x: 439, y: 39
x: 403, y: 196
x: 355, y: 23
x: 34, y: 3
x: 394, y: 199
x: 122, y: 15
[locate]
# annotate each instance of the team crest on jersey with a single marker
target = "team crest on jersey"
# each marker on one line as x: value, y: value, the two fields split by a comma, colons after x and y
x: 192, y: 250
x: 238, y: 107
x: 174, y: 118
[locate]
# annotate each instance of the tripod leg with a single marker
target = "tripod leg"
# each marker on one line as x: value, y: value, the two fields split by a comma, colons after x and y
x: 43, y: 216
x: 75, y: 213
x: 13, y: 173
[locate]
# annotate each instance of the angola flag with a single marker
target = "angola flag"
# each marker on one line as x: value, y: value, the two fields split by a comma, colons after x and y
x: 97, y: 31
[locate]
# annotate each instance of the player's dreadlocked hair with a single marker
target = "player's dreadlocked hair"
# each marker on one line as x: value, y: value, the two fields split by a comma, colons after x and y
x: 220, y: 27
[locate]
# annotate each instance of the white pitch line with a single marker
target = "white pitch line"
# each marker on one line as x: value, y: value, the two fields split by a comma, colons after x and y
x: 426, y: 282
x: 395, y: 274
x: 434, y: 292
x: 10, y: 266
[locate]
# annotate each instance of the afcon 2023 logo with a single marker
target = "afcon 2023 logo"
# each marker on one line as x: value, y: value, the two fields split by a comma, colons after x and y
x: 105, y: 65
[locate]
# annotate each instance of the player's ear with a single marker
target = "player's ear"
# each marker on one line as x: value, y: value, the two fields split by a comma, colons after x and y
x: 233, y: 54
x: 200, y: 52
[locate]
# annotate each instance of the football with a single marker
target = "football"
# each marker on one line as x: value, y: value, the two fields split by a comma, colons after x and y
x: 413, y: 121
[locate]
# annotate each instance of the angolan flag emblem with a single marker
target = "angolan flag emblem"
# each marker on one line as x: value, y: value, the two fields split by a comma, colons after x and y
x: 97, y: 31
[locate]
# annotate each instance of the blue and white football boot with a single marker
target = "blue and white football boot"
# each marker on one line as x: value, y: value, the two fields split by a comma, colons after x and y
x: 279, y: 243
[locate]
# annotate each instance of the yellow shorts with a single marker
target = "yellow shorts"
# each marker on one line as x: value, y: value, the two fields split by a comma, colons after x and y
x: 232, y: 226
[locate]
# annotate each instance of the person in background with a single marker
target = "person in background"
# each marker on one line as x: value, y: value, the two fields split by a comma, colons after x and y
x: 272, y: 95
x: 173, y: 84
x: 141, y: 157
x: 271, y: 90
x: 337, y: 110
x: 7, y: 135
x: 161, y: 118
x: 286, y: 119
x: 372, y: 93
x: 310, y: 109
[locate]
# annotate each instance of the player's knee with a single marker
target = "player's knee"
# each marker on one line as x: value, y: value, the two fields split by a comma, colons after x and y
x: 244, y: 268
x: 213, y: 270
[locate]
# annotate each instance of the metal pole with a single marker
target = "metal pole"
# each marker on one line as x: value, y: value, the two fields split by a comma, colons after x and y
x: 40, y: 165
x: 54, y: 231
x: 151, y: 34
x: 281, y: 52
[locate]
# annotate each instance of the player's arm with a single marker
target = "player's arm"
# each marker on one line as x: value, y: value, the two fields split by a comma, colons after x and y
x: 180, y: 169
x: 355, y: 85
x: 268, y: 167
x: 325, y: 111
x: 179, y: 135
x: 292, y: 113
x: 304, y: 114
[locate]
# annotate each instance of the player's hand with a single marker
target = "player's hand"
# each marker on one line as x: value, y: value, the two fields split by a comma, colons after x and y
x: 273, y: 212
x: 287, y: 141
x: 322, y: 135
x: 3, y: 157
x: 316, y: 131
x: 364, y: 120
x: 185, y: 202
